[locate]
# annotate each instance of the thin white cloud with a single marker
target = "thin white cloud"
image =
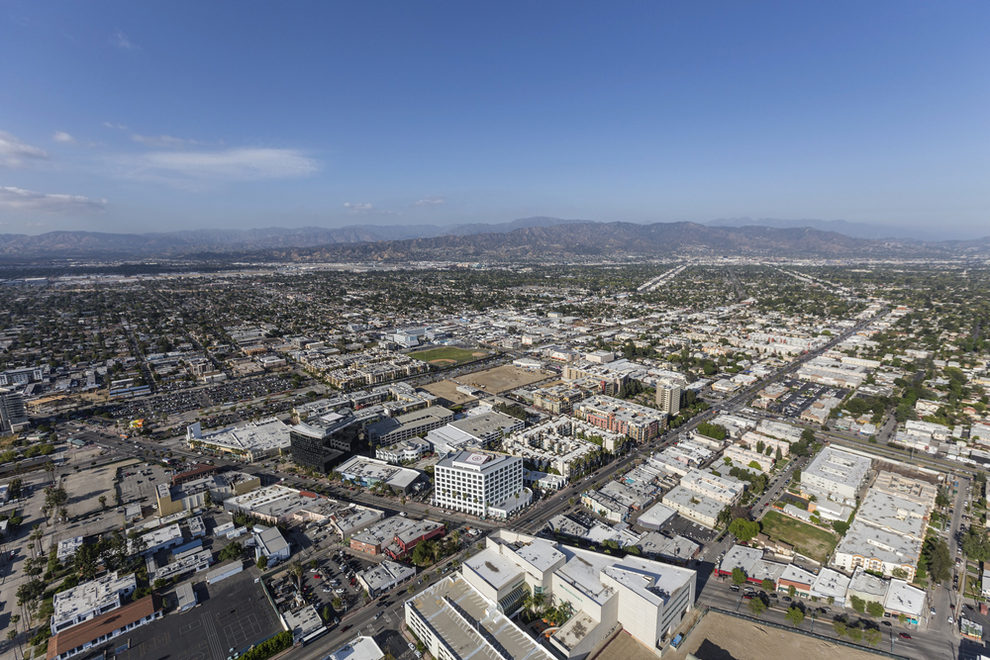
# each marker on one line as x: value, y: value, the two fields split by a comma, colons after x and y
x: 62, y: 136
x: 14, y: 153
x: 110, y: 124
x: 430, y: 201
x: 163, y: 140
x: 241, y: 164
x: 19, y: 199
x: 359, y: 207
x: 122, y: 41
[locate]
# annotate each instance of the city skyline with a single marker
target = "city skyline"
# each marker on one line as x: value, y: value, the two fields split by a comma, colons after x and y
x: 130, y: 118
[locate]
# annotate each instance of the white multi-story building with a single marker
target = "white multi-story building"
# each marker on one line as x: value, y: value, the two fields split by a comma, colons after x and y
x: 647, y: 598
x: 669, y: 397
x: 90, y: 599
x: 835, y: 474
x: 480, y: 483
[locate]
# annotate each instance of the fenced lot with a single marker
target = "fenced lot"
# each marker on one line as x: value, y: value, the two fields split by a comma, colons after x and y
x: 806, y: 539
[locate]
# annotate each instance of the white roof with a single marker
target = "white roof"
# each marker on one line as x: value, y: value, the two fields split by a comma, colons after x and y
x: 902, y: 598
x: 362, y: 648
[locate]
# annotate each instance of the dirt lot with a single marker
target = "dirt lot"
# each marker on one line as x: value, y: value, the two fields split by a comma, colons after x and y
x: 502, y: 379
x: 721, y: 637
x: 625, y: 647
x: 447, y: 389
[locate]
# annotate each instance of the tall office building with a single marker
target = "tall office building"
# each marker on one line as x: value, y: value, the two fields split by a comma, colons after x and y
x: 669, y: 397
x: 13, y: 416
x: 484, y: 484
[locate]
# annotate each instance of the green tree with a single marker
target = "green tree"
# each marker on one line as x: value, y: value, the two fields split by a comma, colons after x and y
x: 858, y: 604
x: 767, y: 585
x: 840, y: 627
x: 738, y: 576
x: 795, y: 615
x: 936, y: 558
x: 872, y: 636
x: 262, y: 562
x: 874, y: 608
x: 230, y: 551
x: 757, y: 606
x: 743, y: 529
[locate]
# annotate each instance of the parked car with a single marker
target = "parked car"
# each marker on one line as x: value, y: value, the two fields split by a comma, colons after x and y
x: 904, y: 635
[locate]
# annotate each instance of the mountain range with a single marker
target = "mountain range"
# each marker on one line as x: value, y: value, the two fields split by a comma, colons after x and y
x: 527, y: 239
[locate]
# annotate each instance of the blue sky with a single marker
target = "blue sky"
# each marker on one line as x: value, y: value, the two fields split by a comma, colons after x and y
x: 144, y: 116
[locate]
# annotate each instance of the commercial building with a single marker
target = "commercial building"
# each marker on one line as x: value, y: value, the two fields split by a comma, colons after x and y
x: 250, y: 442
x: 395, y: 536
x: 369, y: 472
x: 405, y: 451
x: 418, y: 422
x: 479, y: 431
x: 831, y: 587
x: 280, y: 504
x: 90, y: 599
x: 323, y: 441
x: 454, y: 621
x: 384, y: 577
x: 102, y: 628
x: 13, y: 415
x: 647, y: 598
x: 483, y: 484
x: 190, y: 494
x: 305, y: 624
x: 269, y: 543
x: 904, y: 600
x: 360, y: 648
x: 835, y: 474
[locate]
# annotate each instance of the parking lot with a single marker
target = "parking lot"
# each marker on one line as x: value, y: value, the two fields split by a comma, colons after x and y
x: 324, y: 580
x: 137, y: 483
x: 175, y: 403
x: 85, y: 487
x: 232, y: 614
x: 801, y: 396
x: 686, y: 528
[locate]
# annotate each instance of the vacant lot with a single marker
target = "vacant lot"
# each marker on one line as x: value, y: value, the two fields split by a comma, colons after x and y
x: 85, y: 487
x: 806, y: 539
x: 447, y: 390
x: 448, y: 356
x: 719, y: 636
x: 502, y: 379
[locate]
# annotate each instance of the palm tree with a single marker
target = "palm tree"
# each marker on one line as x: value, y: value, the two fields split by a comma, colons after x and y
x: 296, y: 570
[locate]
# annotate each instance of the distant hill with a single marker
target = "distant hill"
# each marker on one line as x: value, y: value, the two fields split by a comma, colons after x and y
x: 83, y: 244
x: 852, y: 229
x: 527, y: 239
x: 593, y: 240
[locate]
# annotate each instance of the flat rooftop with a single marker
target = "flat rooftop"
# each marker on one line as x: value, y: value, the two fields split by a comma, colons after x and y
x: 473, y: 629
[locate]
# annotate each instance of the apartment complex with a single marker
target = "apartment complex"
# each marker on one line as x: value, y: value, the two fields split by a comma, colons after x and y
x: 638, y: 422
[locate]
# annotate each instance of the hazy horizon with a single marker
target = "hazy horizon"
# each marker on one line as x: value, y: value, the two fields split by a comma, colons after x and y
x: 123, y: 117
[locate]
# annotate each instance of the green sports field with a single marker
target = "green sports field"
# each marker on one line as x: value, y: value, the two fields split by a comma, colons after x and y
x: 448, y: 356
